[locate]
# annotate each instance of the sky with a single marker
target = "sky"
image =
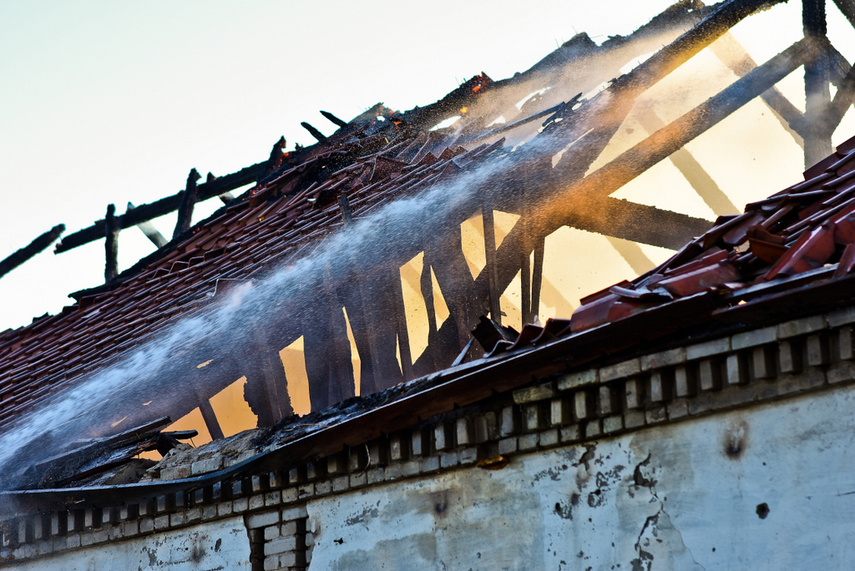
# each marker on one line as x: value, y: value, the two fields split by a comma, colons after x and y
x: 114, y: 101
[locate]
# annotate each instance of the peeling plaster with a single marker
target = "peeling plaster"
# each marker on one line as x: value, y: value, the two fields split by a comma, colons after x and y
x: 684, y: 496
x: 209, y: 547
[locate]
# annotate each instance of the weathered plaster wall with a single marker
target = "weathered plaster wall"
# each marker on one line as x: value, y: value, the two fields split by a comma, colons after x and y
x: 218, y: 545
x: 771, y: 487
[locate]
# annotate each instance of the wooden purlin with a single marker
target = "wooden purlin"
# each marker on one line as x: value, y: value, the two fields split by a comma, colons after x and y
x: 847, y: 8
x: 145, y: 212
x: 35, y: 247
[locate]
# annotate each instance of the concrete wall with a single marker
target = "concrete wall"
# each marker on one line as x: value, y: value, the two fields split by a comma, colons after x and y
x: 765, y: 488
x: 219, y: 545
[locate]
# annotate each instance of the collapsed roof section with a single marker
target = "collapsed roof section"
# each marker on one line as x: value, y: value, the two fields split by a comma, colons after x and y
x: 701, y: 295
x: 366, y: 260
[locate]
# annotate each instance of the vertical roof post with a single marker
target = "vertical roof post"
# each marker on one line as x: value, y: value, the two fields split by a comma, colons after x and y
x: 185, y: 210
x: 111, y: 246
x: 817, y: 90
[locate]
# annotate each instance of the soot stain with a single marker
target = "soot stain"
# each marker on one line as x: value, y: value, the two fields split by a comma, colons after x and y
x: 595, y: 498
x: 736, y: 440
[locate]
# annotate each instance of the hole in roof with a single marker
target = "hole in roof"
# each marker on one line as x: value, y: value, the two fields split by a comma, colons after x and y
x: 445, y: 123
x: 633, y: 63
x: 523, y: 101
x: 597, y: 89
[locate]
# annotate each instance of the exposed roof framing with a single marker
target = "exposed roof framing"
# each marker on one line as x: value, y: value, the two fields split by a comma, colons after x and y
x: 316, y: 200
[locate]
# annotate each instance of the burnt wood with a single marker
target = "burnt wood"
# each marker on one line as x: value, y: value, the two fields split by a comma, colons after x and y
x: 188, y: 201
x: 163, y: 206
x: 847, y: 8
x: 38, y: 245
x: 334, y: 119
x: 314, y: 132
x: 111, y: 244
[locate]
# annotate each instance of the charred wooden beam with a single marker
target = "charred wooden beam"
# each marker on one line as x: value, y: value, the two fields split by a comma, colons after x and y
x: 847, y: 8
x: 149, y: 230
x: 838, y: 64
x: 525, y: 274
x: 210, y: 418
x: 319, y: 351
x: 314, y: 132
x: 631, y: 221
x: 326, y: 349
x: 683, y: 48
x: 376, y: 339
x: 615, y: 102
x: 39, y: 244
x: 188, y: 201
x: 537, y: 275
x: 342, y: 380
x: 266, y: 389
x: 455, y: 281
x: 344, y: 205
x: 817, y: 84
x: 163, y: 206
x: 334, y: 119
x: 513, y: 125
x: 400, y: 314
x: 426, y: 287
x: 490, y: 251
x: 111, y: 244
x: 225, y: 197
x: 368, y: 333
x: 274, y: 162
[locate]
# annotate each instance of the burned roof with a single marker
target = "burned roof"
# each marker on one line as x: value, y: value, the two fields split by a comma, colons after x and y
x: 313, y: 254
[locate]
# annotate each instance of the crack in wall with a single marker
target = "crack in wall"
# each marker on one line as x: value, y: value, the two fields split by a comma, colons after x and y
x: 644, y: 475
